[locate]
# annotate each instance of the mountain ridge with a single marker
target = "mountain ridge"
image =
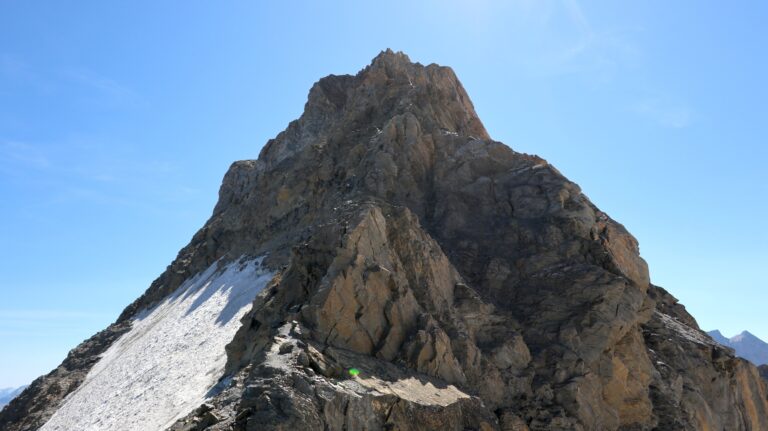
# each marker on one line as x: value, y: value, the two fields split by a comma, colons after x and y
x: 468, y: 285
x: 745, y: 344
x: 7, y: 394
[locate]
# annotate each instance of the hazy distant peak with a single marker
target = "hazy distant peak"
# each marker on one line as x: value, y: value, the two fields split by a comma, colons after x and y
x: 746, y: 345
x: 744, y: 335
x: 7, y: 394
x: 719, y: 337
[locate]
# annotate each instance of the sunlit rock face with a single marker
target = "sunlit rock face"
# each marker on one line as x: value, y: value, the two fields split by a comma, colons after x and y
x: 468, y: 285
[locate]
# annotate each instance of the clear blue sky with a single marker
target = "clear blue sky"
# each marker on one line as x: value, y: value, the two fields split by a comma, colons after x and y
x: 119, y: 119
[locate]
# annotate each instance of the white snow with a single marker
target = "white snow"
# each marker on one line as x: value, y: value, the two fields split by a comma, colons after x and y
x: 172, y: 357
x: 684, y: 330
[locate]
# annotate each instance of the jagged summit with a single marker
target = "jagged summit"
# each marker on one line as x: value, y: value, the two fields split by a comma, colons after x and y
x: 468, y: 285
x: 390, y: 58
x: 360, y: 105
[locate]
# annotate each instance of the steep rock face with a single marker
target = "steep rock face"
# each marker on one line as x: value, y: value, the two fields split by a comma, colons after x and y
x: 697, y: 383
x: 472, y: 287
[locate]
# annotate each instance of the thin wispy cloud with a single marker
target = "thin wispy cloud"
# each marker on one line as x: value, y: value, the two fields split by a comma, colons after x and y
x: 81, y: 166
x: 12, y: 66
x: 23, y: 155
x: 78, y: 172
x: 15, y: 323
x: 75, y: 83
x: 107, y: 88
x: 106, y: 198
x: 566, y: 41
x: 664, y: 113
x: 47, y: 314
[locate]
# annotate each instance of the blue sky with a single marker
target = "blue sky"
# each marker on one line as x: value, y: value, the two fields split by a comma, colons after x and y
x: 118, y: 121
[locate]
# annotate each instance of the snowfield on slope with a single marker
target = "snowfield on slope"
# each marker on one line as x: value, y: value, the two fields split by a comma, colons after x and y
x: 174, y: 354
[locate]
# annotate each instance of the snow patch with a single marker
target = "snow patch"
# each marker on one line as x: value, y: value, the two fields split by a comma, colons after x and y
x: 684, y: 330
x: 170, y: 360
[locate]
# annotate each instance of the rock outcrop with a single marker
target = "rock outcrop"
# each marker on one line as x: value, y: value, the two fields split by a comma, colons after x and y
x: 428, y: 277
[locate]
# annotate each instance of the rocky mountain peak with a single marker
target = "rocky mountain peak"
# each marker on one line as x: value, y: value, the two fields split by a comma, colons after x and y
x: 719, y: 337
x: 404, y: 271
x: 391, y: 59
x: 390, y: 88
x: 744, y: 336
x: 716, y: 333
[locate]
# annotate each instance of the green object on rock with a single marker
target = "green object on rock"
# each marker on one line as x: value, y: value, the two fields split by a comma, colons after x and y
x: 354, y: 372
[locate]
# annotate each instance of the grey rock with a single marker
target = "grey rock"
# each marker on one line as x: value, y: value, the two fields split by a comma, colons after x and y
x: 472, y: 286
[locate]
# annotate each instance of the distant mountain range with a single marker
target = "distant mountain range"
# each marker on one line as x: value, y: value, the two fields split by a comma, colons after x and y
x: 745, y: 344
x: 7, y: 394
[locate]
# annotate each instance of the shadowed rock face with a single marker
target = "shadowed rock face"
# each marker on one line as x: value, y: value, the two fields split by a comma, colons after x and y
x: 474, y: 287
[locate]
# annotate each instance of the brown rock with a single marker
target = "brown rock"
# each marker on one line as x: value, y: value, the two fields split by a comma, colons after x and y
x: 474, y: 287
